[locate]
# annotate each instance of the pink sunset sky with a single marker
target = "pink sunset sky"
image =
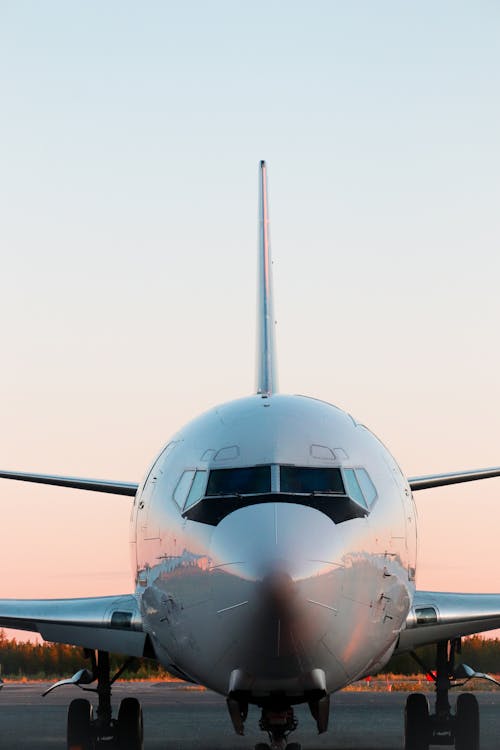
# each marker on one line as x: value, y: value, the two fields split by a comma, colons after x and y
x: 130, y: 140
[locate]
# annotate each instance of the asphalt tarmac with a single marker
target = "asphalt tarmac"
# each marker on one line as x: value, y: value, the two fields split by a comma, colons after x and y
x: 178, y: 717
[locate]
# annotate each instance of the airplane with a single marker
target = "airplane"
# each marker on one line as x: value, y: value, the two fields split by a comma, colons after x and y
x: 273, y: 544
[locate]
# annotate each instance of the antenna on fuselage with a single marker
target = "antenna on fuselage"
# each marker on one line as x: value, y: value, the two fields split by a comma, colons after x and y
x: 267, y: 380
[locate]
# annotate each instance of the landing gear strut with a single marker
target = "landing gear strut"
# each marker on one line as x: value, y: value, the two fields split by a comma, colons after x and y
x: 278, y: 718
x: 442, y: 727
x: 278, y: 721
x: 84, y: 732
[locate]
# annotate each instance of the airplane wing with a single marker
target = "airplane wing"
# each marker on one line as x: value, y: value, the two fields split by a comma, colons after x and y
x: 439, y: 616
x: 428, y: 481
x: 105, y: 623
x: 78, y: 483
x: 424, y: 482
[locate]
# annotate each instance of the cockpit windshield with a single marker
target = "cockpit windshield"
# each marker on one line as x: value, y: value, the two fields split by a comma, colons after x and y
x: 336, y: 492
x: 248, y: 481
x: 311, y: 479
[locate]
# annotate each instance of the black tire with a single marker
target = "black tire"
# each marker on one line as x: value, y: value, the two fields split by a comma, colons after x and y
x: 262, y: 746
x: 130, y: 725
x: 417, y: 724
x: 467, y: 722
x: 294, y: 746
x: 79, y: 727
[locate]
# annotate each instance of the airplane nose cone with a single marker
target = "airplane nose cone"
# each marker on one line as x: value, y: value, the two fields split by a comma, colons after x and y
x: 276, y: 584
x: 277, y: 537
x: 279, y: 591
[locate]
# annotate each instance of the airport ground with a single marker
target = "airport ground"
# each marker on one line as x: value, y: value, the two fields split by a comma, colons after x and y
x: 178, y: 717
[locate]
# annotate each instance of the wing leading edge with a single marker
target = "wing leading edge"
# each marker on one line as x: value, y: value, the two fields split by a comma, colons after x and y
x: 106, y: 623
x: 77, y: 483
x: 428, y: 481
x: 439, y: 616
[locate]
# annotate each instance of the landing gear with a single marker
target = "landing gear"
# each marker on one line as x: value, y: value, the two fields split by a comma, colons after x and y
x: 277, y: 718
x: 79, y: 733
x: 278, y: 721
x: 442, y: 727
x: 130, y: 725
x: 417, y: 726
x: 467, y: 722
x: 88, y: 733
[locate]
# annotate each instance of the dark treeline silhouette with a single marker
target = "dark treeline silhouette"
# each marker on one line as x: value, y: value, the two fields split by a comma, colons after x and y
x: 482, y: 654
x: 55, y: 660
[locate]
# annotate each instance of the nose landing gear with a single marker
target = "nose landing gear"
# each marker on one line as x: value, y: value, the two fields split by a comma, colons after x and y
x: 277, y: 719
x: 442, y: 728
x: 278, y: 722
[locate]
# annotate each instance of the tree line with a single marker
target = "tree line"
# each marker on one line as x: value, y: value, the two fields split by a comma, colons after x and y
x: 20, y: 659
x: 46, y: 660
x: 480, y: 653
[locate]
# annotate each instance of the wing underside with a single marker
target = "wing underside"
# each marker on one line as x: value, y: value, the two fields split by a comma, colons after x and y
x: 438, y: 616
x: 106, y: 623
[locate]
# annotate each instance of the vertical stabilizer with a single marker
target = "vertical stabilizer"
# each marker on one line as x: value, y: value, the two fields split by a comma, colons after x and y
x: 267, y: 381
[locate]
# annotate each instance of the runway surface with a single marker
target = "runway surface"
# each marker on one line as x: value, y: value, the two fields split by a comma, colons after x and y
x: 178, y: 717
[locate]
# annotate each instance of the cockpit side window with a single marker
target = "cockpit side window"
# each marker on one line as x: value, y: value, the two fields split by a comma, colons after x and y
x: 311, y: 479
x: 353, y: 488
x: 197, y: 489
x: 246, y: 481
x: 183, y: 487
x: 366, y: 485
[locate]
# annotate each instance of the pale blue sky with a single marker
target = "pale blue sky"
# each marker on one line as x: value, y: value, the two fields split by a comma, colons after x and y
x: 130, y: 136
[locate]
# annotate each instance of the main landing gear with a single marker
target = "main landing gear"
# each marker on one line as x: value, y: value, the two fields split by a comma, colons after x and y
x: 442, y: 727
x: 88, y: 732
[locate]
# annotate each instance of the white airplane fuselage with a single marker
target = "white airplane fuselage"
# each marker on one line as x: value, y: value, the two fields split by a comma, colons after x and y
x: 269, y: 592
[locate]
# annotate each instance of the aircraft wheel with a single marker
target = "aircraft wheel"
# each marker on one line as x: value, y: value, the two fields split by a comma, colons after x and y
x: 79, y: 734
x: 467, y: 722
x: 130, y: 725
x: 294, y: 746
x: 262, y: 746
x: 417, y: 724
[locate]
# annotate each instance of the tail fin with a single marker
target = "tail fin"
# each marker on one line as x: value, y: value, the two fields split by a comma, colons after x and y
x: 267, y: 380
